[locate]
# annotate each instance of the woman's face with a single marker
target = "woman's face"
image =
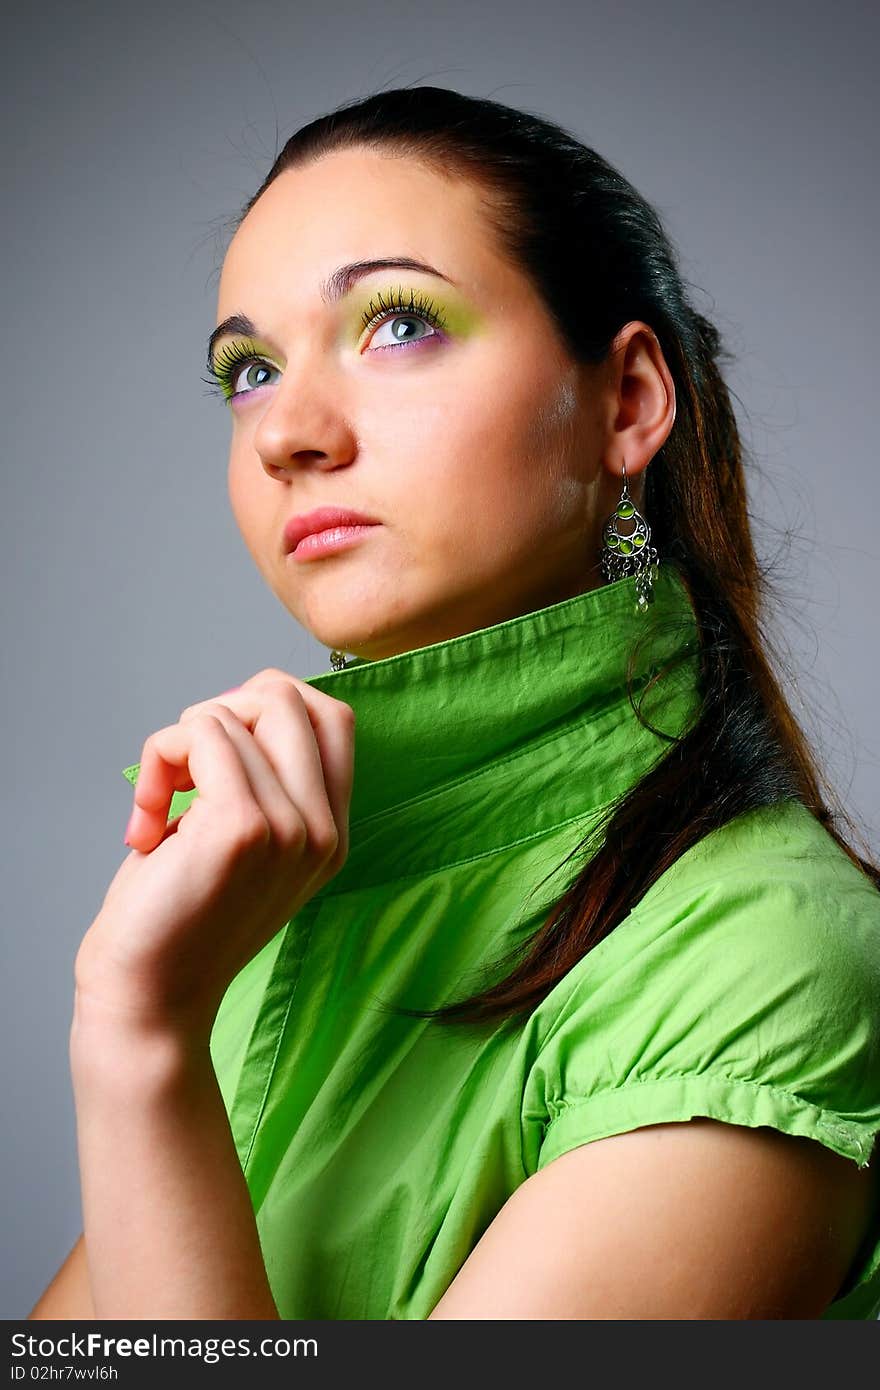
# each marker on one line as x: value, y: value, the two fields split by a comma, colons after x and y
x: 445, y: 408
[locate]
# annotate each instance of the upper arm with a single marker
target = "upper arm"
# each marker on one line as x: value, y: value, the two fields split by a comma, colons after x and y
x: 69, y: 1295
x: 696, y: 1219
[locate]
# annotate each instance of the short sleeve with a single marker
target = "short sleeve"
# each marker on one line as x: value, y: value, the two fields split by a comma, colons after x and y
x: 750, y: 994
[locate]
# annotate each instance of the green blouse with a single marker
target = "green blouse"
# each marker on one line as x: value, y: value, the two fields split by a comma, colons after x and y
x: 744, y: 986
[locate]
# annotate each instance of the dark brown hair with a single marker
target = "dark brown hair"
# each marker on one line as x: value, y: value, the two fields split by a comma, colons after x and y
x: 600, y: 257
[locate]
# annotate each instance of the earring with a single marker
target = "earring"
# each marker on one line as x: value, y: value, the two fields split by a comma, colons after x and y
x: 629, y: 552
x: 337, y: 660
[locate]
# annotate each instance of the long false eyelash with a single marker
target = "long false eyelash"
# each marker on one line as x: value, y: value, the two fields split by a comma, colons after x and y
x: 228, y: 359
x: 418, y: 303
x: 233, y: 356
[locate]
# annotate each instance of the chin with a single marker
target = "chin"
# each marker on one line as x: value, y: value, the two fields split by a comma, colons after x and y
x: 356, y: 639
x: 355, y: 618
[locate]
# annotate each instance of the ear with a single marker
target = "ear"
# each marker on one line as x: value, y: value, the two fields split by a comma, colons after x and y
x: 640, y: 393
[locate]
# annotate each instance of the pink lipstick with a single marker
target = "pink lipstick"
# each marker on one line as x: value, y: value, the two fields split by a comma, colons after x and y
x: 325, y: 530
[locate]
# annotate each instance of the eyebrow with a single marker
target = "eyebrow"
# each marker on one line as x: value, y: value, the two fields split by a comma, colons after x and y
x: 333, y: 289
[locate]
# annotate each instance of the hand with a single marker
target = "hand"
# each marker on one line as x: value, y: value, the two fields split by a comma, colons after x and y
x: 197, y: 898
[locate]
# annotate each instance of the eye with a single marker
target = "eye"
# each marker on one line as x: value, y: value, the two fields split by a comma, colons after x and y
x: 238, y: 371
x: 253, y: 372
x: 403, y: 328
x: 402, y: 319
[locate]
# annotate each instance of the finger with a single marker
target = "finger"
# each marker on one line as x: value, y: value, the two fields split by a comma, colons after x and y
x: 333, y: 722
x: 295, y: 813
x: 283, y: 762
x: 294, y: 796
x: 147, y: 826
x: 204, y: 749
x: 332, y: 726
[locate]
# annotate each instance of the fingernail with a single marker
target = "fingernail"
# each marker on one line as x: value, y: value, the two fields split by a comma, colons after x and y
x: 131, y: 820
x: 230, y: 690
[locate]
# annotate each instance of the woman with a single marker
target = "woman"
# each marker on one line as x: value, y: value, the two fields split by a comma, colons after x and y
x: 514, y: 967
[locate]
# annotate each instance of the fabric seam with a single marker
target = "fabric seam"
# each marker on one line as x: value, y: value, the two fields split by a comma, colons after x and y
x: 855, y: 1134
x: 585, y: 816
x: 305, y: 942
x: 848, y: 1129
x: 568, y: 726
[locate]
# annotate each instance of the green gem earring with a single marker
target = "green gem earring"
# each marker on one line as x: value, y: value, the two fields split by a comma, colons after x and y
x: 629, y: 552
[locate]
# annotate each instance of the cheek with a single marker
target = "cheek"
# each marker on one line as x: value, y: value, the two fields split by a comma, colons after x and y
x: 238, y: 498
x: 520, y: 405
x: 501, y: 409
x: 248, y: 509
x: 519, y: 448
x: 246, y: 484
x: 558, y: 445
x: 518, y: 470
x: 555, y: 418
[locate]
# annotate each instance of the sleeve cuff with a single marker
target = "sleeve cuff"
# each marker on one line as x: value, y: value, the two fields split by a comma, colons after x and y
x: 580, y: 1120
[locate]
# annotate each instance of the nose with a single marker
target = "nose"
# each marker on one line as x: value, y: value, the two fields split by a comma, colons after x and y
x: 304, y: 427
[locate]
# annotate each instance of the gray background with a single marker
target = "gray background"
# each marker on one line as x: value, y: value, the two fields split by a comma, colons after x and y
x: 131, y: 133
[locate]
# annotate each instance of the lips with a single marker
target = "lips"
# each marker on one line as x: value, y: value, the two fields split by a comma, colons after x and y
x: 322, y: 519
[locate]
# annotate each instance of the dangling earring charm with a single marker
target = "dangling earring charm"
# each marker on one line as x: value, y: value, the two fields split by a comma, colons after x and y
x: 337, y: 660
x: 629, y: 552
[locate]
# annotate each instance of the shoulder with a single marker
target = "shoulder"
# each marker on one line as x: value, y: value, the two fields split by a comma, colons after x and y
x: 697, y: 1220
x: 772, y: 887
x: 767, y: 845
x: 771, y: 891
x: 745, y: 985
x: 743, y: 988
x: 770, y: 912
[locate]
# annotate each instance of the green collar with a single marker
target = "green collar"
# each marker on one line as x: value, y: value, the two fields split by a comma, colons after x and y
x: 503, y: 733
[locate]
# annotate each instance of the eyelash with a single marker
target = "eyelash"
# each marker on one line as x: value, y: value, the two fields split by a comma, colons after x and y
x: 232, y: 357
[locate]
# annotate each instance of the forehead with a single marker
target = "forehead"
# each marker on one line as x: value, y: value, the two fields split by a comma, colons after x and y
x: 357, y: 204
